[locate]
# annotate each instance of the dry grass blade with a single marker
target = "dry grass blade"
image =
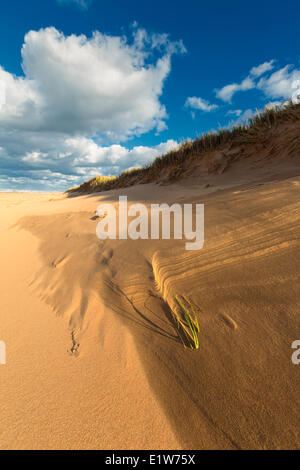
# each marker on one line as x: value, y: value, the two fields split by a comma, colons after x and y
x: 255, y: 130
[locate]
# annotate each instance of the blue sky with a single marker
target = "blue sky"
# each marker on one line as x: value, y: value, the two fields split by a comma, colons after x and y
x: 95, y: 87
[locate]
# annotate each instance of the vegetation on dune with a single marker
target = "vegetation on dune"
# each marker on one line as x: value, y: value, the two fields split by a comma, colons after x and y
x: 255, y: 130
x: 187, y: 322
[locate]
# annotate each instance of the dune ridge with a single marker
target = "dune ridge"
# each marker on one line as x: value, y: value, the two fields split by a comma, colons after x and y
x: 270, y: 138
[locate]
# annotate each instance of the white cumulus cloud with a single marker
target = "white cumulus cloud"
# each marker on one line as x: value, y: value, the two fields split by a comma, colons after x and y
x: 234, y: 112
x: 262, y: 68
x: 195, y: 102
x: 226, y: 93
x: 280, y: 84
x: 101, y: 85
x: 48, y: 162
x: 79, y: 98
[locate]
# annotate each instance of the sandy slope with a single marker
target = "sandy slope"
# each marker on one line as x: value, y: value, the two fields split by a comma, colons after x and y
x: 109, y: 370
x: 51, y: 398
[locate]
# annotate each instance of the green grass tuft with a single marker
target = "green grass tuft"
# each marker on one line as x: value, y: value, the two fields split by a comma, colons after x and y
x: 188, y: 322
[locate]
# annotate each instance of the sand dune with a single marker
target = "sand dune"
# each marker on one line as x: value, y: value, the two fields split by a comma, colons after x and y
x: 93, y: 358
x: 51, y: 395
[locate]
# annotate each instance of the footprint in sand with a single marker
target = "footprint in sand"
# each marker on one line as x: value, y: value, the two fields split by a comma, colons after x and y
x: 229, y: 321
x: 59, y: 262
x: 107, y: 256
x: 74, y: 351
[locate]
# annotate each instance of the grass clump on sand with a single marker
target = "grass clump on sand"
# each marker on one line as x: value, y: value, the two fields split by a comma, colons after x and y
x: 187, y: 322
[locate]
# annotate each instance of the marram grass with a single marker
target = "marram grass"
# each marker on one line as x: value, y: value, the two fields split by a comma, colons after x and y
x: 188, y: 322
x: 255, y: 130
